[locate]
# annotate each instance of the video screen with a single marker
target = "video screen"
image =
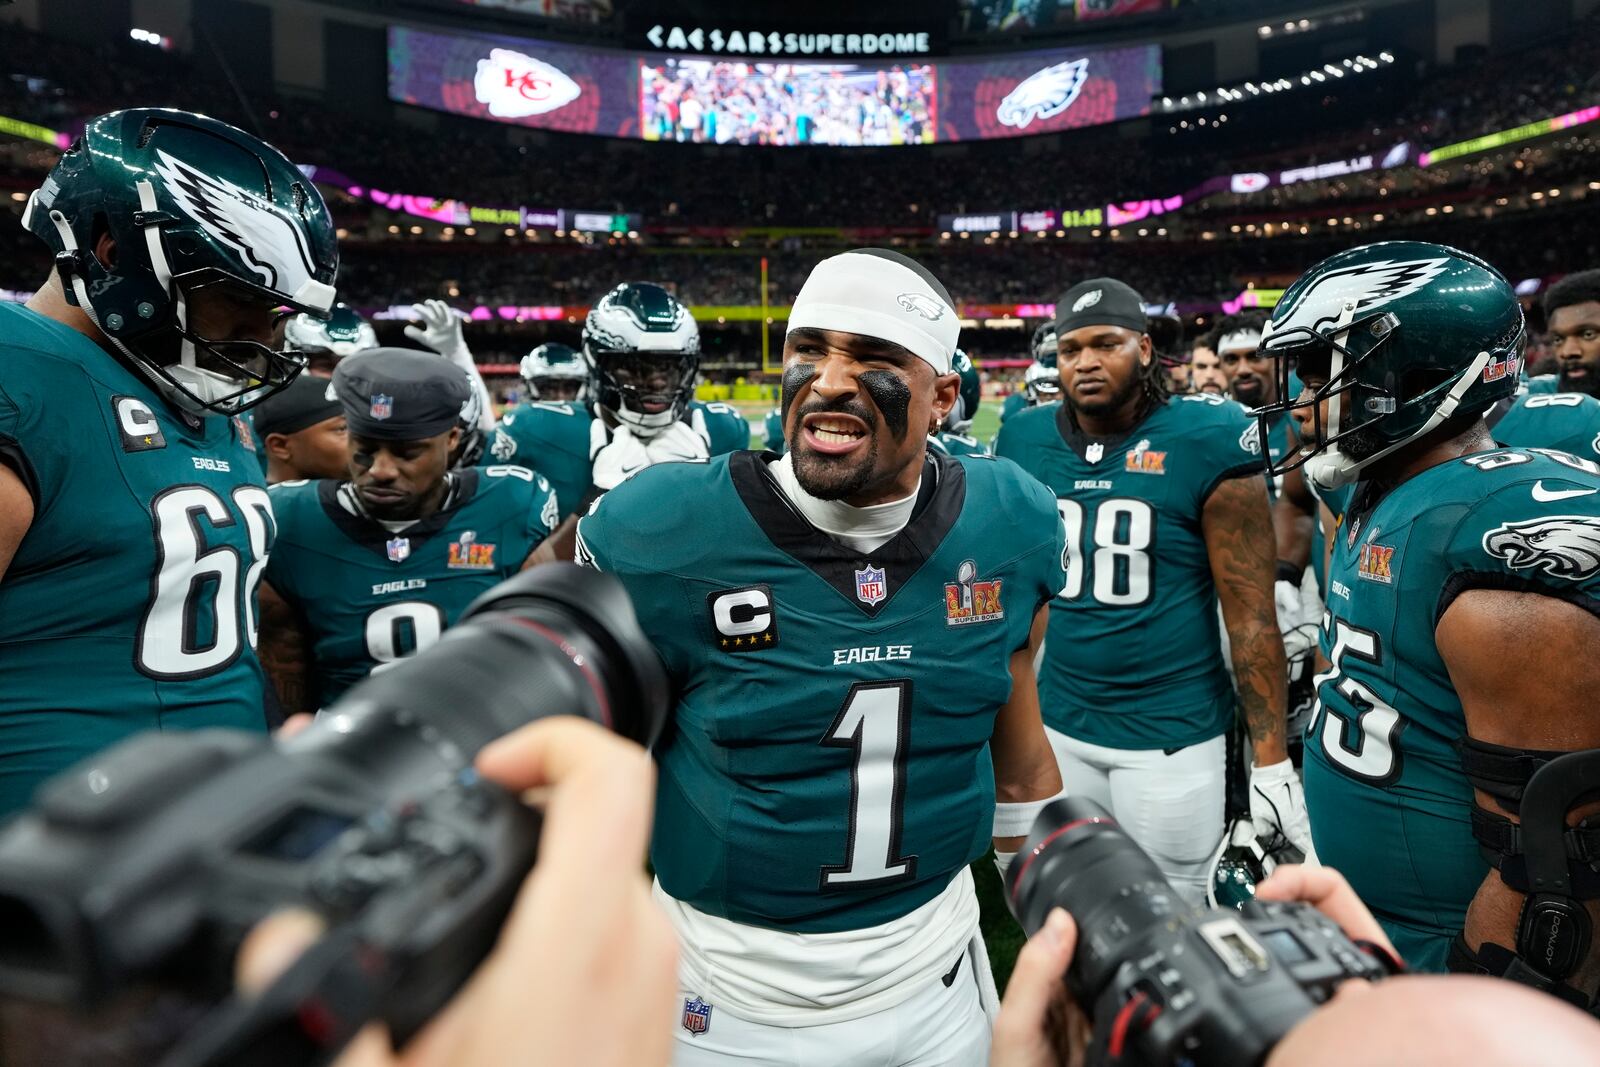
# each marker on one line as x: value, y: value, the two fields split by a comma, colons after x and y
x: 730, y: 102
x: 590, y: 11
x: 981, y: 17
x: 775, y: 102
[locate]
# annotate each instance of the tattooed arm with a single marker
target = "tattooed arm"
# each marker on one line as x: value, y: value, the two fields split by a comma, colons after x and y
x: 1237, y: 525
x: 285, y: 651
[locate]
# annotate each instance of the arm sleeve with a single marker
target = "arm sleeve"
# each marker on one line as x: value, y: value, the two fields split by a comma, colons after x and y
x: 544, y: 512
x: 1234, y: 448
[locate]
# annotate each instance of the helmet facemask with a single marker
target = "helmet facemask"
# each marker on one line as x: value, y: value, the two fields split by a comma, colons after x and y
x: 629, y: 384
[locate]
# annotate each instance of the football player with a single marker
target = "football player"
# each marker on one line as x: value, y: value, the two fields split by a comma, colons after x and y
x: 773, y: 431
x: 374, y: 567
x: 1039, y: 385
x: 1572, y: 312
x: 1165, y: 512
x: 828, y: 778
x: 326, y: 341
x: 133, y: 521
x: 555, y: 374
x: 1205, y: 371
x: 302, y: 431
x: 952, y: 437
x: 1430, y: 718
x: 643, y: 349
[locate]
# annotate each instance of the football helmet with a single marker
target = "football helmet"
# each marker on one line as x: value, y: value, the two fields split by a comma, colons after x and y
x: 644, y: 350
x: 1043, y: 345
x: 469, y: 450
x: 193, y: 204
x: 1407, y: 334
x: 960, y: 418
x: 553, y: 363
x: 343, y: 333
x: 1243, y: 860
x: 1042, y: 382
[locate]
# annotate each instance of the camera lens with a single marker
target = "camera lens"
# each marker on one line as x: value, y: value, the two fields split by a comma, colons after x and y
x: 1078, y: 858
x: 554, y: 640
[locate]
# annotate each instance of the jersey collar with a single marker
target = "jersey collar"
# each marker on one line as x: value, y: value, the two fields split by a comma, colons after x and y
x: 371, y: 534
x: 939, y: 501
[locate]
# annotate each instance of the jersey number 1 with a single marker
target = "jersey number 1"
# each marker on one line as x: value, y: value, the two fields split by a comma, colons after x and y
x: 875, y: 721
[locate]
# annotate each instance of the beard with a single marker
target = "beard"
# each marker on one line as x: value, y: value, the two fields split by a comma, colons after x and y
x: 1586, y: 381
x: 835, y: 477
x: 1105, y: 404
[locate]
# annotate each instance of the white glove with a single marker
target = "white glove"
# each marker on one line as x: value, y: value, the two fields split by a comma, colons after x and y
x: 615, y: 460
x: 441, y: 331
x: 1286, y: 595
x: 1278, y: 803
x: 680, y: 443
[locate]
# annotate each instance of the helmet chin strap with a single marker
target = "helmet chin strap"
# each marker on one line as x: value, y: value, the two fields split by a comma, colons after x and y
x: 207, y: 385
x: 1334, y: 470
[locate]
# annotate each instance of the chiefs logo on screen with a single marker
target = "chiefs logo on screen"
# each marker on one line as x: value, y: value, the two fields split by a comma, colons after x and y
x: 514, y: 86
x: 1043, y: 94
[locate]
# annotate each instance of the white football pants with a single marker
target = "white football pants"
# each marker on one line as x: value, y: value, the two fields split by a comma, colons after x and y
x: 1172, y: 805
x: 938, y: 1026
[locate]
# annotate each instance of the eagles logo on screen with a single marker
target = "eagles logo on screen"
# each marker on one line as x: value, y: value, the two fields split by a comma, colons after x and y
x: 514, y: 86
x: 1558, y: 546
x: 1043, y: 94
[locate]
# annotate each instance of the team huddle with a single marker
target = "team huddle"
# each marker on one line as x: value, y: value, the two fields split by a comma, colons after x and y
x: 1369, y: 556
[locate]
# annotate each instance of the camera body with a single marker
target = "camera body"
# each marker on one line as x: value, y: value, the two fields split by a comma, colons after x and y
x: 1167, y: 982
x: 150, y: 862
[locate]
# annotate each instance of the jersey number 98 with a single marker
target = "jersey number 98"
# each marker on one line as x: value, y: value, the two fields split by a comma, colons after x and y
x: 1121, y: 535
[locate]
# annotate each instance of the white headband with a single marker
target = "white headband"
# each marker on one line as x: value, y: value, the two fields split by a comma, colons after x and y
x: 1228, y: 342
x: 857, y: 292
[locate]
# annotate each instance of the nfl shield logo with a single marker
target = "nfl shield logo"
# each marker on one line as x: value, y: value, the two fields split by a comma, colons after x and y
x: 870, y: 586
x: 399, y: 549
x: 1092, y: 453
x: 382, y: 406
x: 696, y: 1016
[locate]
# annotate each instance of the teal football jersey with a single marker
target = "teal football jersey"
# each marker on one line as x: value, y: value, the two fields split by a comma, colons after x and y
x: 1544, y: 384
x: 957, y: 444
x: 1389, y: 804
x: 825, y: 769
x: 1566, y: 422
x: 551, y: 437
x: 774, y: 432
x: 368, y: 596
x: 729, y: 430
x: 1133, y: 655
x: 1013, y: 404
x: 131, y: 602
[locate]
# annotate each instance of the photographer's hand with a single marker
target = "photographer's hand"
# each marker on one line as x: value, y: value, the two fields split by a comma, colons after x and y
x: 584, y: 944
x: 1326, y: 890
x: 1039, y: 1025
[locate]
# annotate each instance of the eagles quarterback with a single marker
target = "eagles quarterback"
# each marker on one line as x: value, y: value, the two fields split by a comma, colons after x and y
x: 373, y: 568
x: 1463, y: 617
x: 827, y: 777
x: 1165, y: 512
x: 134, y: 523
x: 952, y: 437
x: 641, y: 348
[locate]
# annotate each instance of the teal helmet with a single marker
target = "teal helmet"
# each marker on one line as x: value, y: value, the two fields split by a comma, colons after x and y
x: 967, y: 400
x: 1407, y: 334
x: 343, y: 333
x: 552, y: 363
x: 644, y: 351
x: 1244, y: 860
x: 192, y: 204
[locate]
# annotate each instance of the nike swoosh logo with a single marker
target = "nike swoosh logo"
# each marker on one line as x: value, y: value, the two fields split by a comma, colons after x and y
x: 1545, y: 496
x: 642, y: 466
